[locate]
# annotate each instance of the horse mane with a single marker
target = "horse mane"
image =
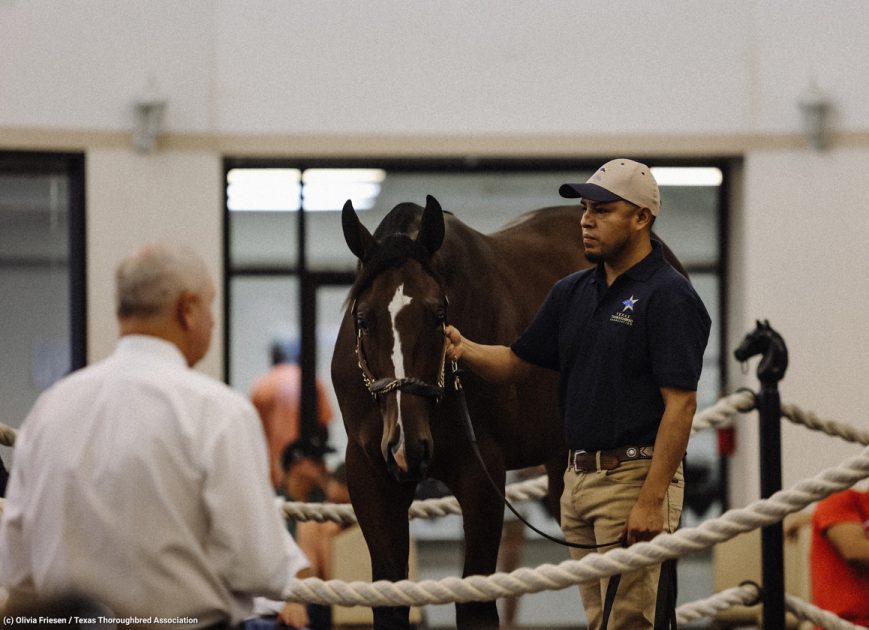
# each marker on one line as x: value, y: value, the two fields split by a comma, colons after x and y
x: 394, y: 248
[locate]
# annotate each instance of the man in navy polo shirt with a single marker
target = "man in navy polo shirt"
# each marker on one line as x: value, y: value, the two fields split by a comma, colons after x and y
x: 627, y: 337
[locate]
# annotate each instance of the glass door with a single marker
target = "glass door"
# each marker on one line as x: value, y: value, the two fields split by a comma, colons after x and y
x: 42, y: 284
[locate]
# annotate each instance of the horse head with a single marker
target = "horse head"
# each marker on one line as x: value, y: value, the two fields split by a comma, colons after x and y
x: 398, y: 306
x: 767, y: 342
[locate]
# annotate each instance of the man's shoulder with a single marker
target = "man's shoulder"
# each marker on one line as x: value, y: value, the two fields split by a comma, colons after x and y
x: 208, y: 387
x: 77, y: 382
x: 667, y: 274
x: 207, y: 408
x: 669, y: 281
x: 113, y: 375
x: 575, y: 280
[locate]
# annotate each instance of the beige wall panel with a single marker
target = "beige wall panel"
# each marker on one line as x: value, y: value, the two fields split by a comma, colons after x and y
x: 133, y: 199
x: 802, y: 237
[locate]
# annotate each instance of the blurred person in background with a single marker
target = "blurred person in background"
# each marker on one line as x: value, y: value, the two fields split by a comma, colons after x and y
x: 315, y: 539
x: 840, y: 554
x: 277, y: 397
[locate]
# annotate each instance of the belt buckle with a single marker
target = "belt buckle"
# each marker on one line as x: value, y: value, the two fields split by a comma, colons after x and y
x: 577, y: 467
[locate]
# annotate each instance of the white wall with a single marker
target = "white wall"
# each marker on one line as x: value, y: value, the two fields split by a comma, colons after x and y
x: 443, y: 67
x: 132, y: 200
x: 802, y: 238
x: 561, y: 78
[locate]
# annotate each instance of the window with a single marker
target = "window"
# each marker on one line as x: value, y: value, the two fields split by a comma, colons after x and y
x: 41, y: 275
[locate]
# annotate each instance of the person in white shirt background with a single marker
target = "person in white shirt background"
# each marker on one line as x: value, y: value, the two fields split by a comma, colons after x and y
x: 143, y: 484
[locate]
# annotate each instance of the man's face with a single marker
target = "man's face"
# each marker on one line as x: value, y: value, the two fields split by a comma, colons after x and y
x: 607, y: 228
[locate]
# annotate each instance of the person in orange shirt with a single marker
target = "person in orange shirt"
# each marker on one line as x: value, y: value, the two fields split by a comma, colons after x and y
x: 277, y: 397
x: 840, y: 554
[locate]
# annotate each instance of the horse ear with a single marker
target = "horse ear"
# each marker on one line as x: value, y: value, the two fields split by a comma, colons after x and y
x: 431, y: 229
x: 358, y: 238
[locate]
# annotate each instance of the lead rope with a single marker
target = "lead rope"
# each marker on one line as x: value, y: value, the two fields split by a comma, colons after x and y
x: 469, y: 429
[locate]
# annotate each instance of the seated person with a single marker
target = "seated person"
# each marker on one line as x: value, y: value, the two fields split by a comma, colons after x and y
x: 304, y: 470
x: 840, y: 555
x: 315, y: 539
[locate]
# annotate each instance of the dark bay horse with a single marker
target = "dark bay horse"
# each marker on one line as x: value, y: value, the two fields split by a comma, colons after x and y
x: 421, y: 269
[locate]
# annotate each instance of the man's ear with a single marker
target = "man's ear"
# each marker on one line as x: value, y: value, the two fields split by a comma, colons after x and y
x: 184, y: 311
x: 644, y: 217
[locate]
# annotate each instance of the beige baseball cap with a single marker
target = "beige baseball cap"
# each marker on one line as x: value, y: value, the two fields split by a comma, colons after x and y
x: 619, y: 179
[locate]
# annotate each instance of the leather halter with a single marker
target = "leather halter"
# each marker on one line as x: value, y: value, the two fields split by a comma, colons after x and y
x: 410, y: 385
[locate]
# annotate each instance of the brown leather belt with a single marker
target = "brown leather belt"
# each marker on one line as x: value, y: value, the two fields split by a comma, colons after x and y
x: 582, y: 461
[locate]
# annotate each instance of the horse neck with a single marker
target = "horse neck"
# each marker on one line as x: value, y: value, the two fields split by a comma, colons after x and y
x: 496, y: 281
x: 472, y: 275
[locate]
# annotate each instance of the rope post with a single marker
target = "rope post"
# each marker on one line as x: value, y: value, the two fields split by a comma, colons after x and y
x: 771, y: 369
x: 772, y: 538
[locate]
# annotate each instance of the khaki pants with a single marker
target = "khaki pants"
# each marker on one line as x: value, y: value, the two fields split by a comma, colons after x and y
x: 594, y: 508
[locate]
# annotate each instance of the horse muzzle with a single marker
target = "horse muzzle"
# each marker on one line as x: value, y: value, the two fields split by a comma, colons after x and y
x: 413, y: 472
x: 407, y: 458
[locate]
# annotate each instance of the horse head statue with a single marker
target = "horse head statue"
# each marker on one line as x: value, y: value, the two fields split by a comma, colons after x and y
x: 765, y: 341
x: 399, y: 308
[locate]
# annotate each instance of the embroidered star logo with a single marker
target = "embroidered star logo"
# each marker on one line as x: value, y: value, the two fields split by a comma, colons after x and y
x: 629, y: 303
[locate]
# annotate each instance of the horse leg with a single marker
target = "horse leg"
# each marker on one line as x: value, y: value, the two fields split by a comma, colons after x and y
x: 381, y: 506
x: 483, y: 516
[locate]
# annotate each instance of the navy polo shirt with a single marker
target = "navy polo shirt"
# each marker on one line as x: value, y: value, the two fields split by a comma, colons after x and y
x: 616, y: 346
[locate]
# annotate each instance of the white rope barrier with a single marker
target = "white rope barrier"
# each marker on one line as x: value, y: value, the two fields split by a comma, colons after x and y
x: 321, y: 512
x: 595, y: 565
x: 723, y: 411
x: 818, y: 616
x: 428, y: 508
x: 830, y: 427
x: 749, y: 595
x: 744, y: 595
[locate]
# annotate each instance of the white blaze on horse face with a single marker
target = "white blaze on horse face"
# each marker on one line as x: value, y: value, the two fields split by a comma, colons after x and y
x: 398, y: 302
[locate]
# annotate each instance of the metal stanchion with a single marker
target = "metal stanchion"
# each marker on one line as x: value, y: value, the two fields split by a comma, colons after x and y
x: 771, y: 369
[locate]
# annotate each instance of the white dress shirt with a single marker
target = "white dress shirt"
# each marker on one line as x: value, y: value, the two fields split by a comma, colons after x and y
x: 144, y: 484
